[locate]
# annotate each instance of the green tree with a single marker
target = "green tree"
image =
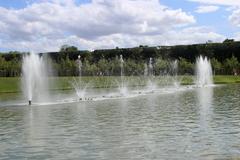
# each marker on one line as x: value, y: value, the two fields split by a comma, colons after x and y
x: 67, y: 48
x: 89, y: 69
x: 131, y: 67
x: 3, y: 65
x: 103, y: 67
x: 185, y: 67
x: 216, y: 66
x: 228, y: 41
x: 231, y: 65
x: 160, y: 66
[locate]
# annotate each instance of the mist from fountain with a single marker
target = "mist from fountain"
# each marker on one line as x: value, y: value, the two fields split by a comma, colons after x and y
x: 174, y: 72
x: 79, y: 62
x: 203, y: 72
x: 151, y: 85
x: 122, y: 87
x: 77, y: 83
x: 145, y: 70
x: 150, y: 67
x: 34, y: 78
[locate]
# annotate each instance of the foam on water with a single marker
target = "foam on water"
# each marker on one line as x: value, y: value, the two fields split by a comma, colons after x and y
x: 108, y: 96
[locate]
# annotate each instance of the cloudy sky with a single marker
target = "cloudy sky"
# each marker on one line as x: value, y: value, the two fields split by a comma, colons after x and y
x: 46, y: 25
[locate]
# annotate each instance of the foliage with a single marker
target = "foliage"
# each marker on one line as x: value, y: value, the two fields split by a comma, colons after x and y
x: 185, y: 67
x: 231, y: 65
x: 225, y: 59
x: 216, y: 66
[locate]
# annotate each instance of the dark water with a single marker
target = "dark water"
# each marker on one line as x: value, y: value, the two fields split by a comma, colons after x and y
x: 195, y: 124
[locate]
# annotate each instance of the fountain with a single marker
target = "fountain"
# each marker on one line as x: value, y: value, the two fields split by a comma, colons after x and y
x: 122, y: 87
x: 145, y: 70
x: 203, y: 72
x: 79, y: 62
x: 174, y: 72
x: 78, y: 84
x: 34, y: 78
x: 150, y: 67
x: 150, y: 84
x: 35, y: 84
x: 174, y: 67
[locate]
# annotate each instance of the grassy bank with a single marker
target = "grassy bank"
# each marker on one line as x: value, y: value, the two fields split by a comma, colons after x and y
x: 219, y: 79
x: 13, y: 84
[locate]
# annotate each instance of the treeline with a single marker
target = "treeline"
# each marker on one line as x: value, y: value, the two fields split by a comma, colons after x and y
x: 225, y: 58
x: 10, y: 64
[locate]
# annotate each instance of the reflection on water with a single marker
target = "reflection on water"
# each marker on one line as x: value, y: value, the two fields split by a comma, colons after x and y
x: 197, y: 124
x: 205, y: 96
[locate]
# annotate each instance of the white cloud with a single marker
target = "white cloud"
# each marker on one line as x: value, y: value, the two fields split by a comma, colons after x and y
x: 232, y: 6
x: 235, y: 17
x: 237, y: 36
x: 46, y: 25
x: 190, y: 35
x: 219, y: 2
x: 207, y: 9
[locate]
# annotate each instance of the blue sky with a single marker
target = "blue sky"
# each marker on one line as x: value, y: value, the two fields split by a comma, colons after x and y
x: 13, y: 3
x: 17, y: 4
x: 45, y: 25
x: 217, y: 20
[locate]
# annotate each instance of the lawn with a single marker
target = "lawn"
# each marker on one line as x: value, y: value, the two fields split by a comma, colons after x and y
x: 13, y: 84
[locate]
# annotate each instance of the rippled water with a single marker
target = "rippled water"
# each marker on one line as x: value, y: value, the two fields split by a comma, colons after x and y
x: 202, y: 123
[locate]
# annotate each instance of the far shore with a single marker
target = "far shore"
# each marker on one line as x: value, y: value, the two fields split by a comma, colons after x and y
x: 13, y: 84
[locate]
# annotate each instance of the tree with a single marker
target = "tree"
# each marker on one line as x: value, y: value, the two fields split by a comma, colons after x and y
x: 160, y: 65
x: 185, y: 67
x: 89, y: 69
x: 67, y: 48
x: 231, y: 65
x: 131, y: 67
x: 216, y: 66
x: 103, y: 66
x: 228, y: 40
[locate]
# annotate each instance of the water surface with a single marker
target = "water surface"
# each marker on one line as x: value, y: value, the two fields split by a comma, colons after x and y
x: 202, y: 123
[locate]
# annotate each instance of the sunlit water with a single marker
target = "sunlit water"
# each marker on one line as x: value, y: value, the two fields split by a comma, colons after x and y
x: 201, y: 123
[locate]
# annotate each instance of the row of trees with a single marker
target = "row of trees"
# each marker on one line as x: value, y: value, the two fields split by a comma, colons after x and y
x: 10, y: 67
x: 225, y: 58
x: 132, y: 67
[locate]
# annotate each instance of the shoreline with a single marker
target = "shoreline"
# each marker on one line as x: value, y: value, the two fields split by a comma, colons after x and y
x: 13, y: 84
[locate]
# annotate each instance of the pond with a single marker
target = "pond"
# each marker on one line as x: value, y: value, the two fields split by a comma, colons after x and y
x: 198, y: 123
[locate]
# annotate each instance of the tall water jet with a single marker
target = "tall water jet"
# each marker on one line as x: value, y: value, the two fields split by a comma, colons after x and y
x: 174, y: 73
x: 150, y: 84
x: 121, y: 65
x: 79, y: 62
x: 145, y: 70
x: 150, y: 67
x: 174, y: 67
x: 122, y: 87
x: 78, y: 84
x: 34, y: 78
x: 203, y: 72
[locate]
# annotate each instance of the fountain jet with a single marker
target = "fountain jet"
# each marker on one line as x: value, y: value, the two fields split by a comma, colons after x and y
x: 151, y: 86
x: 203, y: 72
x: 122, y: 88
x: 34, y: 78
x: 174, y: 73
x: 78, y: 85
x: 150, y: 67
